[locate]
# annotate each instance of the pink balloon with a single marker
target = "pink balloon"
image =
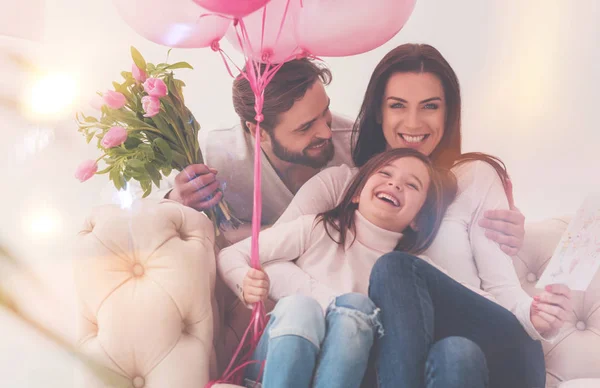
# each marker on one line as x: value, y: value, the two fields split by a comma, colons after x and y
x: 236, y: 8
x: 173, y: 23
x: 273, y: 49
x: 337, y: 28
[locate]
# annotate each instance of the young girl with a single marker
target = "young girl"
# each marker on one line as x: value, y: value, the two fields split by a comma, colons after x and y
x: 323, y: 326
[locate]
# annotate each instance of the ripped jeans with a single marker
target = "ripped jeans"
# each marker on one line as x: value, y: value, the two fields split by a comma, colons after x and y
x: 303, y: 348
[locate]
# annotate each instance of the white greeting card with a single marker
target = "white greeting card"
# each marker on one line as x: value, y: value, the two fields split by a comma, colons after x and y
x: 577, y: 257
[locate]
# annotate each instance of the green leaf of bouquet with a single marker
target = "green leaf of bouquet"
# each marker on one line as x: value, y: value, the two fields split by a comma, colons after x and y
x: 126, y: 74
x: 117, y: 86
x: 146, y: 186
x: 128, y: 82
x: 158, y: 163
x: 170, y: 81
x: 138, y: 59
x: 179, y: 65
x: 138, y: 176
x: 90, y: 119
x: 116, y: 178
x: 154, y: 174
x: 175, y: 95
x: 89, y: 137
x: 165, y: 150
x: 147, y: 153
x: 173, y: 108
x: 179, y: 84
x: 179, y: 160
x: 118, y: 151
x: 128, y: 117
x: 112, y: 175
x: 136, y: 165
x: 107, y: 169
x: 166, y: 171
x: 132, y: 142
x: 163, y: 126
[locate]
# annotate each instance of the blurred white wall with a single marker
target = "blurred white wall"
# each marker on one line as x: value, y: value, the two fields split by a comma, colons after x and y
x: 529, y: 77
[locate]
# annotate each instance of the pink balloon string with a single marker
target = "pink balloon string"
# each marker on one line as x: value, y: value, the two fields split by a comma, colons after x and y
x: 258, y: 76
x: 225, y: 57
x: 285, y: 13
x: 262, y: 32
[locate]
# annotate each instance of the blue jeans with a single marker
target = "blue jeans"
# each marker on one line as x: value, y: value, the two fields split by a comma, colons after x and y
x: 441, y: 334
x: 303, y: 348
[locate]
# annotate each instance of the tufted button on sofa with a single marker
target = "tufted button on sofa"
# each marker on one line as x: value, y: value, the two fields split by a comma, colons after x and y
x: 149, y: 310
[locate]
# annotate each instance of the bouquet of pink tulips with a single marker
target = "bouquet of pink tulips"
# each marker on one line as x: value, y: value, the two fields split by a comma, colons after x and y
x: 145, y: 131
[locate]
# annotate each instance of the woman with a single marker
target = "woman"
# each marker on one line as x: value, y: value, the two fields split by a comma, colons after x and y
x: 436, y: 329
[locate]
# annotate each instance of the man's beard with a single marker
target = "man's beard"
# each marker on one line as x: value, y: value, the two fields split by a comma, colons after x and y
x: 303, y: 158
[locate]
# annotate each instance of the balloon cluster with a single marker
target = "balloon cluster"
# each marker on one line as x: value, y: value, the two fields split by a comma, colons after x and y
x: 277, y: 29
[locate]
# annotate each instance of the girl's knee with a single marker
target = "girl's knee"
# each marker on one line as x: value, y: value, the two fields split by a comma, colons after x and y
x: 356, y: 315
x: 299, y: 307
x: 301, y: 316
x: 356, y: 301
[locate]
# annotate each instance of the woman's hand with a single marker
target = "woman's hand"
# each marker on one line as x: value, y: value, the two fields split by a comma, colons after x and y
x: 550, y: 310
x: 256, y: 286
x: 506, y: 227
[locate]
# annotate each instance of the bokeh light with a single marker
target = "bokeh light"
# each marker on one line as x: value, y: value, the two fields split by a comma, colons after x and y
x: 51, y: 95
x: 42, y: 221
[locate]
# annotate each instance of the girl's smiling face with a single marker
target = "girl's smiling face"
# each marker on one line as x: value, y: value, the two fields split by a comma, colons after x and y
x: 394, y: 195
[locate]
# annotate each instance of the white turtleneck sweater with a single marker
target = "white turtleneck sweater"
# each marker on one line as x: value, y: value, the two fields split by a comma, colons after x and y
x: 460, y: 248
x: 328, y: 270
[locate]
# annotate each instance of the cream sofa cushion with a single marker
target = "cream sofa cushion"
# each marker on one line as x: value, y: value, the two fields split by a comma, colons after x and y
x: 145, y: 279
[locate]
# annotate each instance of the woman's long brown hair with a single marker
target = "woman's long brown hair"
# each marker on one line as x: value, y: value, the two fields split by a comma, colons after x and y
x: 441, y: 192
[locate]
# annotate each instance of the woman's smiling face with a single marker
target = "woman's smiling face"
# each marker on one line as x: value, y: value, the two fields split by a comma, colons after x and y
x: 413, y: 112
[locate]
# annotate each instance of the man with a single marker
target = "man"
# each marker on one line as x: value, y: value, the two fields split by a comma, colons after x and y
x: 299, y: 136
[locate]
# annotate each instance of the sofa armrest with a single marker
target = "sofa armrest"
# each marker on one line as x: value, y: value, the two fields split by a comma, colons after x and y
x: 575, y: 353
x: 145, y: 279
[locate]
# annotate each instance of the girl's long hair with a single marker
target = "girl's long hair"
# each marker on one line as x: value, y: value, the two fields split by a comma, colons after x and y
x: 442, y: 190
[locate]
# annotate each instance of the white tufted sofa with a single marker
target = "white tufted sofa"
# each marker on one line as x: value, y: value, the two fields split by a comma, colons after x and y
x: 148, y: 307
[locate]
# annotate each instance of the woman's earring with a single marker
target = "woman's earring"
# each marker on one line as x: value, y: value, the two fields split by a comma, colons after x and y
x: 413, y: 225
